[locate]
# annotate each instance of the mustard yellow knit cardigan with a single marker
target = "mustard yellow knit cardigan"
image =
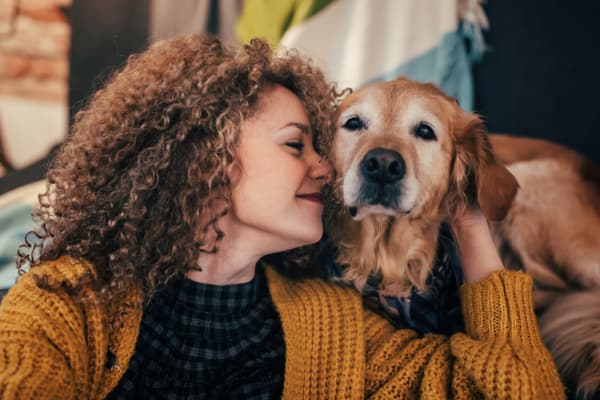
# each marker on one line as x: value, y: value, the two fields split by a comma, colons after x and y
x: 52, y: 347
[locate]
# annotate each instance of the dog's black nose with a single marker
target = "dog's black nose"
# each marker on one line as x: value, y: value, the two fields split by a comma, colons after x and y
x: 383, y: 166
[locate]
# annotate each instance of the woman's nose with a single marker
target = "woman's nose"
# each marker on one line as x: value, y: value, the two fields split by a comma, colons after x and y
x: 319, y: 168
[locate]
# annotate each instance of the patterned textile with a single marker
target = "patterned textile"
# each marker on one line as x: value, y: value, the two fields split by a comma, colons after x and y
x: 202, y: 341
x: 436, y: 309
x: 362, y: 41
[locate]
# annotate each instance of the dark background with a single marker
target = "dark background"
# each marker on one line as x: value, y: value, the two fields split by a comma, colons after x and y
x: 104, y: 33
x: 541, y: 77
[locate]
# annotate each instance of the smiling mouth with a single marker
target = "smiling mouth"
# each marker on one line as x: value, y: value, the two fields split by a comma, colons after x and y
x: 314, y: 197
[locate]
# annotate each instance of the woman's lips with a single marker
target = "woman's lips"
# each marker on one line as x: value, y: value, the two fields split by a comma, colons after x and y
x: 314, y: 197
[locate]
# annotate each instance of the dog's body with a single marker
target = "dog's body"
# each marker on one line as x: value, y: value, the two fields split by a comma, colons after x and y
x: 407, y: 158
x: 553, y: 226
x: 552, y: 230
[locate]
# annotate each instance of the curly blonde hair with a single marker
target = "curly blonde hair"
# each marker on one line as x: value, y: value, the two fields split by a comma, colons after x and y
x: 151, y: 153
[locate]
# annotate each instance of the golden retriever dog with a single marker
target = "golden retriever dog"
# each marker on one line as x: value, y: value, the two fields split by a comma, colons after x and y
x: 407, y: 158
x: 552, y: 230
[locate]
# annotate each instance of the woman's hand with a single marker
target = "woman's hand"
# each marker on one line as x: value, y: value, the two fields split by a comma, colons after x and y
x: 475, y: 245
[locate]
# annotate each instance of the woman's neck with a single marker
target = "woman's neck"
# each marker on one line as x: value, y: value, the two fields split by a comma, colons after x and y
x: 233, y: 263
x: 222, y: 271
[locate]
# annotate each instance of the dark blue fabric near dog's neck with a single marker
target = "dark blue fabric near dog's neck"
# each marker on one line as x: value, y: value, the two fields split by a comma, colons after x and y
x: 434, y: 310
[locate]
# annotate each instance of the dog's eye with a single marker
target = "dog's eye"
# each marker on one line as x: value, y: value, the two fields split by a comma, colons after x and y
x: 424, y: 132
x: 354, y: 124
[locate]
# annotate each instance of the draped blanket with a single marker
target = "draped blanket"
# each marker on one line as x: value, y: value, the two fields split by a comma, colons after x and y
x: 361, y: 41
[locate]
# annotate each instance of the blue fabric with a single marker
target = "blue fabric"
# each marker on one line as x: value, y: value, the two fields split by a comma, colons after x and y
x: 446, y: 65
x: 15, y: 222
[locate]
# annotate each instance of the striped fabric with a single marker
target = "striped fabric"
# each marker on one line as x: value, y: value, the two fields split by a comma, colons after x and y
x: 361, y: 41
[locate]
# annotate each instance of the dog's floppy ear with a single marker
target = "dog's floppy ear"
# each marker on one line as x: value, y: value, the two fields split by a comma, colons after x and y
x: 476, y: 175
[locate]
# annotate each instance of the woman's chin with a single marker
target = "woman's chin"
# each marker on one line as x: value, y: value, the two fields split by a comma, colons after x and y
x: 313, y: 237
x: 305, y: 239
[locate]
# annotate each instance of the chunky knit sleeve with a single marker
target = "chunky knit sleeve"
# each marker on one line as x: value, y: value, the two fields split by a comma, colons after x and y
x: 501, y: 354
x: 43, y: 342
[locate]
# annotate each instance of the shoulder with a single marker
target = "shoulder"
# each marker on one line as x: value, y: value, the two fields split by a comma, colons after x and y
x: 50, y: 318
x: 280, y: 285
x: 69, y: 282
x: 66, y: 271
x: 30, y: 295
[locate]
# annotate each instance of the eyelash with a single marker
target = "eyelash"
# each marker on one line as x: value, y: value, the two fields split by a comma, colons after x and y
x: 296, y: 145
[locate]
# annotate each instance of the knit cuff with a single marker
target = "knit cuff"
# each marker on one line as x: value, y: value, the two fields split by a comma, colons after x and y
x: 500, y: 307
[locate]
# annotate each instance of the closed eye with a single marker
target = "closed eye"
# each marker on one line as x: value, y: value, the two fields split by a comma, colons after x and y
x: 295, y: 145
x: 354, y: 124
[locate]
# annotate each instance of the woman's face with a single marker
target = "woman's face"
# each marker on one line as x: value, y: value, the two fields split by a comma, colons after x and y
x: 276, y: 198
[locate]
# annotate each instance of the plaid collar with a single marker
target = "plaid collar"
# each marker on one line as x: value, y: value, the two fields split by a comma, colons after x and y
x: 201, y: 341
x: 214, y: 299
x: 203, y: 310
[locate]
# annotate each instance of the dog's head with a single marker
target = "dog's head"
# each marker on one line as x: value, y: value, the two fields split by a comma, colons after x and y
x: 404, y: 148
x: 406, y: 157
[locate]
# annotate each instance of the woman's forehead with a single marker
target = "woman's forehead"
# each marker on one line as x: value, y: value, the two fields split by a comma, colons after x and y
x: 281, y: 106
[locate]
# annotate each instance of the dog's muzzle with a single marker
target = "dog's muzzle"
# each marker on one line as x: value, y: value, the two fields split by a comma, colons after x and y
x: 381, y: 172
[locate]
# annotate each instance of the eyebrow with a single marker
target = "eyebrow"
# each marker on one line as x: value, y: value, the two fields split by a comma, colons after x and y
x: 302, y: 127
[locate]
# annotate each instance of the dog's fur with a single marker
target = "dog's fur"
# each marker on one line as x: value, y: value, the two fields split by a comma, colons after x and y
x: 442, y: 177
x: 552, y: 230
x: 395, y: 184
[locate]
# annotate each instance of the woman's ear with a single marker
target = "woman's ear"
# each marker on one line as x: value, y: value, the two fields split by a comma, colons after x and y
x: 476, y: 176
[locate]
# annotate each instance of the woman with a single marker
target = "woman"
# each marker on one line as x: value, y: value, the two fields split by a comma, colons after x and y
x: 190, y: 166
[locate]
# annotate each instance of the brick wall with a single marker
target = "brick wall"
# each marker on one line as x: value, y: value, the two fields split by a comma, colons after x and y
x: 34, y: 68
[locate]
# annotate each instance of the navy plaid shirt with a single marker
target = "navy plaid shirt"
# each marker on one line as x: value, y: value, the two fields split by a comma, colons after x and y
x: 201, y: 341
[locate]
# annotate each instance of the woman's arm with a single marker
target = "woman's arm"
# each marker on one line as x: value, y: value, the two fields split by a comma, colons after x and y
x: 501, y: 354
x: 476, y: 248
